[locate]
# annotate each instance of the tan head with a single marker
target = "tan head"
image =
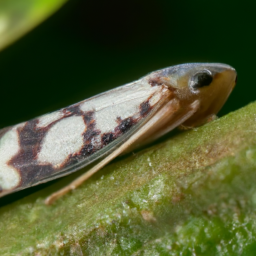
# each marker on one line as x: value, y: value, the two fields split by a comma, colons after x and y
x: 210, y: 83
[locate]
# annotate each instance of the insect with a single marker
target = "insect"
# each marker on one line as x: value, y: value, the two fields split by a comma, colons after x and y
x: 109, y: 124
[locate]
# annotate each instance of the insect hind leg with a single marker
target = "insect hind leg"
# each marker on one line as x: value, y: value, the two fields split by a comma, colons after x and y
x: 159, y: 117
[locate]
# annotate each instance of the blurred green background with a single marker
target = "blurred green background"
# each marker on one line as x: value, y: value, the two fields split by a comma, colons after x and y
x: 88, y: 47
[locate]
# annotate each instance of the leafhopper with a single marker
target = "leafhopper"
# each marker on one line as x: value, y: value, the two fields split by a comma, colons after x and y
x: 109, y: 124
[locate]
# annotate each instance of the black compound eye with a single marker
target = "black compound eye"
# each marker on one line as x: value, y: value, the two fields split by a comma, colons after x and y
x: 201, y: 79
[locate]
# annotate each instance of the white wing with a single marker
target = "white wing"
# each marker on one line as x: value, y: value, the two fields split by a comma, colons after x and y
x: 64, y: 141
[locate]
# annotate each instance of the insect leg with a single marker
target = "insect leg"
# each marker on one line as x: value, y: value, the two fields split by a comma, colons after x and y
x: 159, y: 117
x: 169, y: 125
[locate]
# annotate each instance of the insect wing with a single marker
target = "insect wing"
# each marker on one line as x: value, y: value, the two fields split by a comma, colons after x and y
x: 64, y: 141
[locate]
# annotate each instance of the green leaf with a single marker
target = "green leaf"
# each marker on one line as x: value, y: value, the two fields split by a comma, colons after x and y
x: 192, y: 194
x: 17, y: 17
